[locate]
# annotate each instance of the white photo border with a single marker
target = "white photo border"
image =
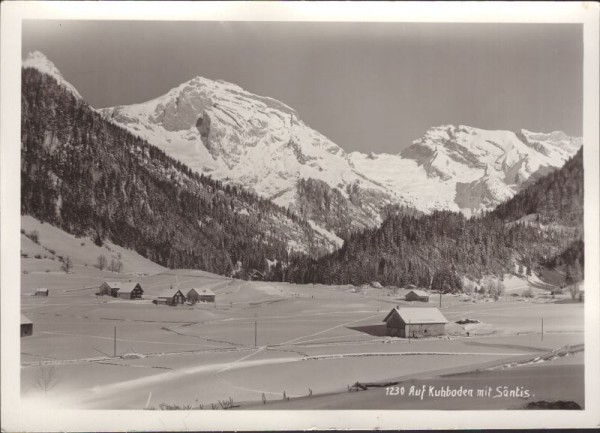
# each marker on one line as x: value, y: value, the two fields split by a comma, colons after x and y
x: 16, y: 417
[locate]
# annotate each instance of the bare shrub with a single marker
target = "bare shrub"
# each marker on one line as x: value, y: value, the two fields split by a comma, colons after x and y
x: 115, y: 265
x: 101, y: 262
x: 34, y: 236
x: 46, y: 378
x: 574, y: 290
x: 67, y: 264
x: 469, y: 286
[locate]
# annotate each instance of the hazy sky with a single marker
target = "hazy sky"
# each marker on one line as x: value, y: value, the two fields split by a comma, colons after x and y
x: 367, y: 86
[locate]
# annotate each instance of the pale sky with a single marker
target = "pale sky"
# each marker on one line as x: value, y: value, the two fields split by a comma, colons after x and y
x: 366, y: 86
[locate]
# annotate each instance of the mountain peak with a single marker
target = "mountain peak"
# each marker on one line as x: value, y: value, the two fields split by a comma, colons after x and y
x: 39, y: 61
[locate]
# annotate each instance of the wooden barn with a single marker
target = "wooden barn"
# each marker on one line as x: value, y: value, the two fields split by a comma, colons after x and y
x: 109, y: 288
x: 417, y: 295
x: 41, y: 292
x: 200, y: 295
x: 415, y: 322
x: 170, y: 297
x: 26, y: 326
x: 130, y: 290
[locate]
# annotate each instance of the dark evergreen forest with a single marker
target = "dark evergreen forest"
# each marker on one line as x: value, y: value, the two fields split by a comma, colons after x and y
x: 435, y: 250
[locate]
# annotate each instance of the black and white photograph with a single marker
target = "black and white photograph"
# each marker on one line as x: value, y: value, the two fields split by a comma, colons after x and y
x: 297, y: 216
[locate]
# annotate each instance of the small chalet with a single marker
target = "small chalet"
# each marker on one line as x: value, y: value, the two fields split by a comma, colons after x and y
x: 417, y: 295
x: 109, y: 288
x: 41, y: 292
x: 415, y: 322
x: 130, y: 290
x: 26, y: 326
x: 200, y: 295
x: 170, y: 297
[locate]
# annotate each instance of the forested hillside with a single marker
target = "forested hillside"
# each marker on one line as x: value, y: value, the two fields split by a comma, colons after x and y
x: 556, y: 198
x: 92, y: 178
x: 434, y: 250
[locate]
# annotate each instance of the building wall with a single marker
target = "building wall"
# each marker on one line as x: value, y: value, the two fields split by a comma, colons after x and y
x: 207, y: 298
x: 193, y: 296
x: 414, y: 297
x: 26, y: 330
x: 395, y: 327
x: 104, y: 289
x: 178, y: 299
x: 137, y: 293
x: 414, y: 330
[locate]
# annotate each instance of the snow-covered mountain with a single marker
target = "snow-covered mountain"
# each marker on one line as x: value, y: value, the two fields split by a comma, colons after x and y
x: 465, y: 168
x: 40, y: 62
x: 219, y: 129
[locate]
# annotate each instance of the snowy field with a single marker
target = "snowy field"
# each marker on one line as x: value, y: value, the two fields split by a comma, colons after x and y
x: 307, y: 337
x: 261, y: 340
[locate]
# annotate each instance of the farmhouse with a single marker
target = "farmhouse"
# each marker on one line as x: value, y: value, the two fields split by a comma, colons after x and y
x: 170, y: 297
x: 417, y: 295
x: 109, y: 288
x: 130, y: 291
x: 200, y: 295
x: 415, y: 322
x: 26, y: 326
x: 41, y: 292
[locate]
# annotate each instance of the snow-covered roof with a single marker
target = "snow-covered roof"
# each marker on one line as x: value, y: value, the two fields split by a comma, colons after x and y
x: 25, y: 320
x: 168, y: 293
x: 419, y: 292
x: 113, y: 284
x: 419, y: 315
x: 202, y: 291
x: 43, y: 290
x: 128, y: 287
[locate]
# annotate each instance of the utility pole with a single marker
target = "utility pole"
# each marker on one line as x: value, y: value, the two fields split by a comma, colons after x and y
x: 255, y: 331
x: 115, y: 343
x: 440, y: 298
x: 542, y: 329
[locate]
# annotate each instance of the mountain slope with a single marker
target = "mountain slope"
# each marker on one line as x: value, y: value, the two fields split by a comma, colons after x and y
x: 556, y: 198
x: 40, y: 62
x: 423, y: 250
x: 468, y: 169
x: 261, y: 144
x: 54, y: 243
x: 92, y: 178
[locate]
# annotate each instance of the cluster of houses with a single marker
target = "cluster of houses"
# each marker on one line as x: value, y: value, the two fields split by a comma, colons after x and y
x: 133, y: 290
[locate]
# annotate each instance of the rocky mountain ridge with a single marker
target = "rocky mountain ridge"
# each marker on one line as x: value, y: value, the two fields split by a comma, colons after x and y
x: 261, y: 144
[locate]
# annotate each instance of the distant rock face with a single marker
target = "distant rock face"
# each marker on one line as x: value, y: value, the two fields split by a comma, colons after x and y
x: 260, y: 143
x: 488, y: 167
